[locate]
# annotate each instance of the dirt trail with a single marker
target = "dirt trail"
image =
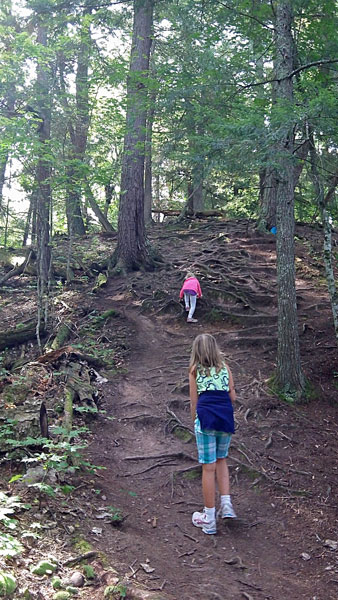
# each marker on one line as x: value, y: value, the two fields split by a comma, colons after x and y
x: 282, y: 489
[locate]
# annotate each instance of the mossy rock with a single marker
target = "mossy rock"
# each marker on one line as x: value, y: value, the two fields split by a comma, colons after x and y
x: 89, y: 572
x: 183, y: 434
x: 44, y: 567
x: 7, y: 584
x: 16, y: 393
x: 62, y: 595
x: 56, y: 583
x: 72, y: 590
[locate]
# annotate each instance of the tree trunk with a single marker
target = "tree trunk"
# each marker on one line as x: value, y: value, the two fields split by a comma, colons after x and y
x: 43, y: 172
x: 79, y: 132
x: 132, y: 251
x: 197, y: 183
x: 148, y: 168
x: 289, y: 376
x: 327, y: 225
x: 106, y: 226
x: 108, y: 192
x: 8, y: 93
x: 3, y: 165
x: 30, y: 225
x: 268, y: 199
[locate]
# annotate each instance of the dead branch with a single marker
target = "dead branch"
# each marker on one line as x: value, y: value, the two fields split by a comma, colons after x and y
x: 74, y: 561
x: 15, y: 337
x: 179, y: 455
x: 17, y: 270
x: 50, y: 357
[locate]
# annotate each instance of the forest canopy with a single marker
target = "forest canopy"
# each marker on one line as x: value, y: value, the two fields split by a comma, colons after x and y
x: 212, y: 116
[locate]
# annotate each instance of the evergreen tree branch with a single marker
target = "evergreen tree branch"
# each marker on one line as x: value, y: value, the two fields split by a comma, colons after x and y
x: 244, y: 14
x: 315, y: 63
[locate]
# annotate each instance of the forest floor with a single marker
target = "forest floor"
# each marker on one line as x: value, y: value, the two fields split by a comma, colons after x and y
x: 283, y: 457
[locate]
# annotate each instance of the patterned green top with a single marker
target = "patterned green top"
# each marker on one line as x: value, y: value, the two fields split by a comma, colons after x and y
x: 214, y: 381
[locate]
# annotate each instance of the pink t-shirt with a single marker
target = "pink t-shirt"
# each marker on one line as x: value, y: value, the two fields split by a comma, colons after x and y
x: 192, y: 284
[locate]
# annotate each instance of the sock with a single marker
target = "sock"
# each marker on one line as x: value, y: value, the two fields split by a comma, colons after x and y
x: 226, y: 499
x: 210, y: 512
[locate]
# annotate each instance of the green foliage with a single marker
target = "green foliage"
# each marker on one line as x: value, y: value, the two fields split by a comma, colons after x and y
x: 72, y: 590
x: 116, y: 515
x: 89, y: 571
x: 44, y: 567
x: 7, y: 584
x: 115, y: 592
x: 62, y: 595
x: 8, y: 506
x: 56, y: 583
x: 9, y: 545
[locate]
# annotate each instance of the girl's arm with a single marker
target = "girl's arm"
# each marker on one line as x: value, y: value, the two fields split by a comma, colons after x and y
x: 193, y: 395
x: 232, y: 391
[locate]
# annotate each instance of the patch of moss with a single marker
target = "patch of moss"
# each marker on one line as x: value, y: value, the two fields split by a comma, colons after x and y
x: 310, y: 392
x: 104, y: 561
x: 193, y: 474
x: 62, y: 596
x: 81, y: 545
x: 109, y: 314
x: 44, y: 567
x: 291, y: 396
x: 89, y: 572
x: 183, y: 434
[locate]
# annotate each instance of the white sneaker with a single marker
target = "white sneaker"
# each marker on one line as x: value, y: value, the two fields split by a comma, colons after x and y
x: 191, y: 320
x: 226, y: 511
x: 200, y: 519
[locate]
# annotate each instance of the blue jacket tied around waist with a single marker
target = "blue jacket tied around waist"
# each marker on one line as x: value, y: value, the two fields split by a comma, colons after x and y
x: 214, y: 410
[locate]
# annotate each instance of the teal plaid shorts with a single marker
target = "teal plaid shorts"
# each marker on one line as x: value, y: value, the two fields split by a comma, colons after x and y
x: 211, y: 445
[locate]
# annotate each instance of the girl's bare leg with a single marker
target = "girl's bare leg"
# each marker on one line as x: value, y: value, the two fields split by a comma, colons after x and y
x: 209, y: 484
x: 222, y: 475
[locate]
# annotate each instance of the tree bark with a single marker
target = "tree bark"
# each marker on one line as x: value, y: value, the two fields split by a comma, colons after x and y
x: 78, y: 131
x: 148, y: 168
x: 132, y: 251
x: 289, y: 375
x: 268, y: 188
x: 43, y: 172
x: 327, y: 225
x: 106, y: 226
x: 3, y: 165
x: 14, y: 337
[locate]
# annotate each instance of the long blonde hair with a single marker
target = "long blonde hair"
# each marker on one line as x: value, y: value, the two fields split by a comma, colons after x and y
x: 189, y: 274
x: 205, y: 354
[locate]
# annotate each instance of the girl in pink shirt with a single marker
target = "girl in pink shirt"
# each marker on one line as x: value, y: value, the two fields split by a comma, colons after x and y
x: 191, y: 290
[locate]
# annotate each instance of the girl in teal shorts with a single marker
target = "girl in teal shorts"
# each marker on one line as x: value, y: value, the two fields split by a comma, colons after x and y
x: 212, y: 393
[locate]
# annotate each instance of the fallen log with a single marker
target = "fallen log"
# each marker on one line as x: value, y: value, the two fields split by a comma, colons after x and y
x: 15, y: 337
x: 200, y: 214
x: 50, y: 357
x: 62, y: 336
x: 17, y: 270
